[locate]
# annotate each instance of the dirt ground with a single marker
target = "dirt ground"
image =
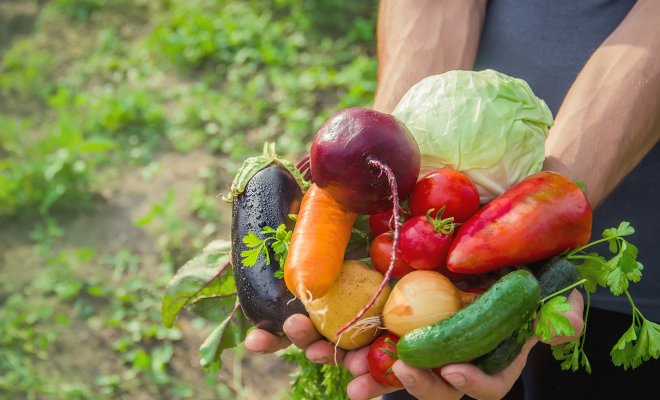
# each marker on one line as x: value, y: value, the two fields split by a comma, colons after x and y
x: 86, y: 352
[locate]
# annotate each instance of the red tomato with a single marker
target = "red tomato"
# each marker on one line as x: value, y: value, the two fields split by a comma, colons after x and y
x: 381, y: 251
x: 380, y: 362
x: 380, y: 223
x: 445, y: 188
x: 421, y: 246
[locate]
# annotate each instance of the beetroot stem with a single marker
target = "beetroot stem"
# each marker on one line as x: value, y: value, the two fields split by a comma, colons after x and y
x: 303, y: 163
x: 303, y: 166
x: 384, y: 168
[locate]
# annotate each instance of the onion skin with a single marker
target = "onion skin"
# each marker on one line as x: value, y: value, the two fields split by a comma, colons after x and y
x: 420, y: 298
x: 341, y: 151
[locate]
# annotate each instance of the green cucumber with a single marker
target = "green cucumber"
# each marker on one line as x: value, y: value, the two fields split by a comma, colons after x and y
x: 557, y: 274
x: 477, y: 328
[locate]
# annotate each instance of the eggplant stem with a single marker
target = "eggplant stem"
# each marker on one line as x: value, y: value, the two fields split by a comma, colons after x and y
x: 391, y: 179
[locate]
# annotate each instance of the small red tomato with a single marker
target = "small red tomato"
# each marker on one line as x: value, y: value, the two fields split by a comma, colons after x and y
x: 445, y: 188
x: 380, y: 358
x: 380, y: 223
x: 425, y: 242
x: 381, y: 252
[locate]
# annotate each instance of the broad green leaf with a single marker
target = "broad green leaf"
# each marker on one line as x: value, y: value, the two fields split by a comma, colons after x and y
x: 230, y: 333
x: 214, y: 309
x: 202, y: 277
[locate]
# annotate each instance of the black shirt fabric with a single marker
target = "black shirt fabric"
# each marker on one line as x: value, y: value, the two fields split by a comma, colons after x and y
x: 547, y: 43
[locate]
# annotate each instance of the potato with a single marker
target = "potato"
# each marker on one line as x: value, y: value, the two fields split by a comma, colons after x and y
x: 355, y: 286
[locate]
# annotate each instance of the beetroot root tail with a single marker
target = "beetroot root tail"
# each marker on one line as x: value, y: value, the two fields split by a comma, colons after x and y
x: 304, y: 167
x: 384, y: 168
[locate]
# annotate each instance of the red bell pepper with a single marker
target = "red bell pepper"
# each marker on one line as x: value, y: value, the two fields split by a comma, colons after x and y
x: 539, y: 217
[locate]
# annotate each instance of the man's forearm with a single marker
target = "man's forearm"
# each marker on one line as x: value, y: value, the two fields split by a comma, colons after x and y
x: 418, y: 38
x: 610, y: 118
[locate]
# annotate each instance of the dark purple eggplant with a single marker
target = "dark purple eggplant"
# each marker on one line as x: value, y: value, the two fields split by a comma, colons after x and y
x: 269, y: 197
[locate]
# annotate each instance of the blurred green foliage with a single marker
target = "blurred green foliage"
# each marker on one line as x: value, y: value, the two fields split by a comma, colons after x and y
x: 102, y: 86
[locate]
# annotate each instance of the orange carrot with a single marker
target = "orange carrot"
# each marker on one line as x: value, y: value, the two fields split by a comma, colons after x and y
x: 318, y: 244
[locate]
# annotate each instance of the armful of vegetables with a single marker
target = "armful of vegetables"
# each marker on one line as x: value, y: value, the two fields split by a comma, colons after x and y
x: 364, y: 163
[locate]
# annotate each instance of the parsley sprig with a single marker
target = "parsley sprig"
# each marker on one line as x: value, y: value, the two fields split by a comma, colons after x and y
x: 279, y: 238
x: 640, y: 342
x: 314, y: 381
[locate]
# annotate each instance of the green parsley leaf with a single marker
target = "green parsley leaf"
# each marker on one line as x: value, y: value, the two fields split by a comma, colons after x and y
x: 268, y: 229
x: 571, y: 355
x: 250, y: 257
x: 594, y: 270
x: 314, y: 381
x: 624, y: 229
x: 276, y: 240
x: 638, y: 344
x: 581, y: 185
x: 551, y: 319
x: 252, y: 240
x: 641, y: 341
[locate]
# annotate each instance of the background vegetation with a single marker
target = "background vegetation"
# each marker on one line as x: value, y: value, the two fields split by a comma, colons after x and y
x: 121, y: 121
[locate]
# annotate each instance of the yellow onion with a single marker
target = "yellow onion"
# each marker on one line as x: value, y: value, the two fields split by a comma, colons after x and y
x: 421, y: 298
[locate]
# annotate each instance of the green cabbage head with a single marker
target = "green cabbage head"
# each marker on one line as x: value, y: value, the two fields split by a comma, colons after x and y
x: 485, y: 124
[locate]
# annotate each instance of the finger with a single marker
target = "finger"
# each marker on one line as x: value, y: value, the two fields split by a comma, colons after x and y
x: 260, y: 341
x: 470, y: 380
x: 423, y: 383
x: 301, y: 331
x: 364, y: 387
x: 356, y: 361
x: 511, y: 373
x: 324, y: 352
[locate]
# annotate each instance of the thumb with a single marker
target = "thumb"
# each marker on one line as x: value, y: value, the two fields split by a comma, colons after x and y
x: 475, y: 383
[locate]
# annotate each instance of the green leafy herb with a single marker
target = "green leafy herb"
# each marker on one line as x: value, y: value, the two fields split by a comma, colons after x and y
x: 572, y: 356
x: 581, y: 184
x: 641, y: 341
x: 316, y: 381
x: 552, y: 320
x: 617, y: 272
x: 280, y: 237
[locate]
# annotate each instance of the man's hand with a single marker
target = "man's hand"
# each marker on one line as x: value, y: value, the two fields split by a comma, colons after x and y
x: 454, y: 381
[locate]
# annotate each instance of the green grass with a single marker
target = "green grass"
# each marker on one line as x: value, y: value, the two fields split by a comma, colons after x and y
x: 103, y: 87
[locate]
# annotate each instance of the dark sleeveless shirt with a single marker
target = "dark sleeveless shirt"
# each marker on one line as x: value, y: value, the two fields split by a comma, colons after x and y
x: 546, y: 43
